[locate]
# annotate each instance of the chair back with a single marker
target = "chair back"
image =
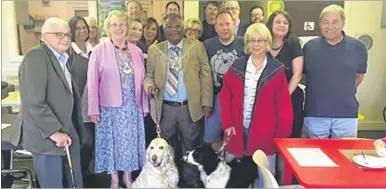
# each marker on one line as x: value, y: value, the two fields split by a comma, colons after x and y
x: 261, y: 160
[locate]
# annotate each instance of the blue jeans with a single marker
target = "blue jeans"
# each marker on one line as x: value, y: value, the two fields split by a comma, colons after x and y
x: 323, y: 127
x: 213, y: 127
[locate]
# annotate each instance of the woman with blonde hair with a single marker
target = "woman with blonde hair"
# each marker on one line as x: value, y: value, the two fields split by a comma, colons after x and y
x: 94, y: 35
x: 193, y: 29
x: 255, y: 101
x: 117, y: 101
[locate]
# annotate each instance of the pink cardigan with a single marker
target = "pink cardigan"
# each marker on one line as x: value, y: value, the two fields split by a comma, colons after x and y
x: 104, y: 82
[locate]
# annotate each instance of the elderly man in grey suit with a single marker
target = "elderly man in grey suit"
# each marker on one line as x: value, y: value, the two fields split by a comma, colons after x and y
x: 50, y: 117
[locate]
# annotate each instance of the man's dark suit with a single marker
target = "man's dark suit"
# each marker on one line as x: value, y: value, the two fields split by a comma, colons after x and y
x: 242, y: 28
x: 48, y: 105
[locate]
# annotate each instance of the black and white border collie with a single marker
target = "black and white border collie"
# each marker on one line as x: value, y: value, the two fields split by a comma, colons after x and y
x: 216, y: 173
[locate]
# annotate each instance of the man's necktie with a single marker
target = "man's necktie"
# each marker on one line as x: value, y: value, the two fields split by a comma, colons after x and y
x: 172, y: 77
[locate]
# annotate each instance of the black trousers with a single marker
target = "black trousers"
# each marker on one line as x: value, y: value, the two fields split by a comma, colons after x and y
x: 87, y: 149
x: 298, y: 112
x: 6, y: 159
x: 183, y: 135
x: 150, y: 129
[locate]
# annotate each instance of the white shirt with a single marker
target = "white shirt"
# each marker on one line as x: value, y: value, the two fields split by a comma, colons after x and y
x: 78, y: 51
x: 252, y: 77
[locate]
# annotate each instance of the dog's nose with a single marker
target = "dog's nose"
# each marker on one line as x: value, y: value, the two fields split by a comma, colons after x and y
x: 154, y: 158
x: 187, y: 153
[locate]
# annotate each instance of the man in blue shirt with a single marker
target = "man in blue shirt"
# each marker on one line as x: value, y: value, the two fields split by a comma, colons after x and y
x: 335, y: 65
x: 50, y: 116
x: 179, y: 80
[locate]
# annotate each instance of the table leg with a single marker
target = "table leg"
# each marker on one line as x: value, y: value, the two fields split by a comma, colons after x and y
x: 287, y: 173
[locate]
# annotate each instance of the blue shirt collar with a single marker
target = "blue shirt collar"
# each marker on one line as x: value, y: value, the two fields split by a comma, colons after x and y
x: 62, y: 58
x: 178, y: 45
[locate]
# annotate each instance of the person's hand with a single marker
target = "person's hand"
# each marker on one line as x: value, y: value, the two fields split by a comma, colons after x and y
x: 95, y: 119
x: 61, y: 139
x: 153, y: 92
x: 230, y: 131
x: 206, y: 111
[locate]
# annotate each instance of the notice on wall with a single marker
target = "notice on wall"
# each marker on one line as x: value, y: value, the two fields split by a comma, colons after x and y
x: 309, y: 26
x: 104, y: 7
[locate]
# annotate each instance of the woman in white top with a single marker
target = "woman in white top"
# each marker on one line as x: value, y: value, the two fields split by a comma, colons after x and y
x: 79, y: 52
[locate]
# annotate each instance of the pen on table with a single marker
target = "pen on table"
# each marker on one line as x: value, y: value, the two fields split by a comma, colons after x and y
x: 364, y: 157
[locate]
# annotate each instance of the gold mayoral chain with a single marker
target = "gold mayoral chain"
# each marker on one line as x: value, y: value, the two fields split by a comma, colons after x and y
x: 196, y: 42
x: 176, y: 62
x: 127, y: 69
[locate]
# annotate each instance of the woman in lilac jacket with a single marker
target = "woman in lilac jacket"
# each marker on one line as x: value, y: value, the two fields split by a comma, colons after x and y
x: 117, y: 101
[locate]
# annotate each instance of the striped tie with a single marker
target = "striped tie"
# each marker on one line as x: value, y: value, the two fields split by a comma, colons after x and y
x: 172, y: 78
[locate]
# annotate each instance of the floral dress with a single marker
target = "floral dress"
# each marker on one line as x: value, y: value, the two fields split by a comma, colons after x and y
x: 120, y: 135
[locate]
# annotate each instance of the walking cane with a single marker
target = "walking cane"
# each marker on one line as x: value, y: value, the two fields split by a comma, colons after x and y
x: 70, y: 165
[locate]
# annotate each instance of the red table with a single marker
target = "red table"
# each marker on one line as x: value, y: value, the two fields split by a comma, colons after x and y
x: 347, y: 174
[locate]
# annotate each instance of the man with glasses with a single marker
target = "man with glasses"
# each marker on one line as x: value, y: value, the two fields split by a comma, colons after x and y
x: 171, y: 7
x: 256, y: 14
x: 134, y: 10
x: 234, y: 8
x: 50, y: 116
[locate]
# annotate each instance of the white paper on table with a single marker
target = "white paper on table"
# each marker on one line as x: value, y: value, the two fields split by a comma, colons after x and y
x: 311, y: 157
x: 5, y: 125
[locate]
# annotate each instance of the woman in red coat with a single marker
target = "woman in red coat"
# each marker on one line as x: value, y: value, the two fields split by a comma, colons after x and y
x: 256, y: 104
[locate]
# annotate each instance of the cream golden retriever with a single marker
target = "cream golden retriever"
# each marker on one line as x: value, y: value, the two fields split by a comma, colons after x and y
x: 160, y: 170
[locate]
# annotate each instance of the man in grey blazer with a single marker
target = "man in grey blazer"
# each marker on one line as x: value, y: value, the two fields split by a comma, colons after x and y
x: 50, y: 116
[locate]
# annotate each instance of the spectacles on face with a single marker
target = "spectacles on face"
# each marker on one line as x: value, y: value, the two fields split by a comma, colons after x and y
x: 93, y: 29
x: 258, y: 41
x: 256, y: 15
x: 193, y: 30
x: 61, y: 35
x: 231, y: 8
x: 177, y: 27
x: 118, y: 25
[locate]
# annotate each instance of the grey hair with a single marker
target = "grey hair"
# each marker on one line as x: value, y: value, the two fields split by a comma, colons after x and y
x: 226, y: 2
x: 333, y: 9
x: 52, y: 23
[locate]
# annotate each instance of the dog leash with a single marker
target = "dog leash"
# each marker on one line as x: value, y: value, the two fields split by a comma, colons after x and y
x: 157, y: 121
x: 221, y: 151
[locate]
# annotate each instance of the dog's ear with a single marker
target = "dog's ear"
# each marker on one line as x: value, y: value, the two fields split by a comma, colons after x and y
x: 170, y: 154
x: 147, y: 155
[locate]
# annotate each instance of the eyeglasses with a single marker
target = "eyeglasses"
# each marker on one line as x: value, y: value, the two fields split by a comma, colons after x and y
x: 193, y: 29
x: 61, y: 35
x: 259, y: 41
x: 118, y: 25
x: 178, y: 27
x: 231, y: 8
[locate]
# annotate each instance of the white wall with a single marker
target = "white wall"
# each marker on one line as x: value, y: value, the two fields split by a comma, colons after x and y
x: 364, y: 17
